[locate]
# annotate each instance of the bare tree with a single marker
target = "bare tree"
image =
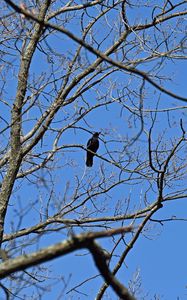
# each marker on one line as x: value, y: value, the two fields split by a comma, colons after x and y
x: 69, y: 69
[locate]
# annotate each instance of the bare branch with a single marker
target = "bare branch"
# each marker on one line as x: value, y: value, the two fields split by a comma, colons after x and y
x: 76, y: 242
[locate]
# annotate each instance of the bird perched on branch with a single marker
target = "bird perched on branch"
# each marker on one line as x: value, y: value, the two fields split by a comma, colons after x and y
x: 93, y: 145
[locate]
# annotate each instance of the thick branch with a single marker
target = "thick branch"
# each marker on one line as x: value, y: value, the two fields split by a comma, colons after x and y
x: 78, y: 242
x: 16, y: 120
x: 101, y: 263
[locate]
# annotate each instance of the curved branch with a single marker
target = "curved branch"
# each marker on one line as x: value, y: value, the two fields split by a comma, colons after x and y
x: 100, y: 54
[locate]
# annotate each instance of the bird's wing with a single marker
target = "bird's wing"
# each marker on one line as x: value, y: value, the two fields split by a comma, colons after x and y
x: 89, y: 143
x: 96, y: 145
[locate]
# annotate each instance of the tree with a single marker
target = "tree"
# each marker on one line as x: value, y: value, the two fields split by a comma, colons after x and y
x: 69, y: 69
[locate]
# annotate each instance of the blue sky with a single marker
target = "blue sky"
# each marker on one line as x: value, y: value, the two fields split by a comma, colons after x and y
x: 160, y: 252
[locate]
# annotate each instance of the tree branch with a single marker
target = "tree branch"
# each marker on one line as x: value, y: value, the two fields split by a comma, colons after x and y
x: 80, y: 241
x: 101, y: 54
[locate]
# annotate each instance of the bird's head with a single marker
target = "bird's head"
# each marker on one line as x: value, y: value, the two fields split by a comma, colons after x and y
x: 96, y: 134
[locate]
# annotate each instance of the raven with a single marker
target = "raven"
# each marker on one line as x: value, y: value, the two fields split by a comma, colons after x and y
x: 93, y: 145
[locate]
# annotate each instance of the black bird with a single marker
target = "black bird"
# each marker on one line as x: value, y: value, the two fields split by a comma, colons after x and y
x: 93, y: 145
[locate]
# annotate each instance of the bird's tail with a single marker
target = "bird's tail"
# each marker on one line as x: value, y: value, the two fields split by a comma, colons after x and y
x: 89, y: 161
